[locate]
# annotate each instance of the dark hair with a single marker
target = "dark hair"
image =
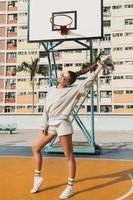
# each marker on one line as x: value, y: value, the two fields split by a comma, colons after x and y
x: 85, y: 68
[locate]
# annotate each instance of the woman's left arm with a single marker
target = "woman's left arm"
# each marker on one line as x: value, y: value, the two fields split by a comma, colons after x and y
x: 88, y: 82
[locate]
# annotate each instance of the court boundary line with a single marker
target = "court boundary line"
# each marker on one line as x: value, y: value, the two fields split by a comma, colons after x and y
x: 130, y: 192
x: 64, y: 158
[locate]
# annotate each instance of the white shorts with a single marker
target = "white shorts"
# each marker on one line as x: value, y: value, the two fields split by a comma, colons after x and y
x: 64, y: 128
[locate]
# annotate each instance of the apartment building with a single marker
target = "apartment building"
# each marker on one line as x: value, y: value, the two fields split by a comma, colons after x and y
x: 113, y: 91
x: 116, y: 90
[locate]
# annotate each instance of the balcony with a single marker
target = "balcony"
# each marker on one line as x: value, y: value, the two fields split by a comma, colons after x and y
x: 11, y: 60
x: 12, y: 31
x: 12, y: 19
x: 2, y: 57
x: 9, y: 109
x: 1, y: 83
x: 106, y: 108
x: 11, y: 57
x: 10, y: 97
x: 10, y: 73
x: 1, y: 70
x: 1, y: 109
x: 10, y: 84
x: 12, y: 6
x: 11, y: 47
x: 10, y: 100
x: 11, y: 34
x: 1, y: 97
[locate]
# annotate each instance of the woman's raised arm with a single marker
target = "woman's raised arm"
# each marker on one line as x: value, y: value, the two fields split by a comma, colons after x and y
x: 88, y: 82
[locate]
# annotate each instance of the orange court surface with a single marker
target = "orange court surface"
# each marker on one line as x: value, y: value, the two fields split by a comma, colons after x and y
x: 97, y: 179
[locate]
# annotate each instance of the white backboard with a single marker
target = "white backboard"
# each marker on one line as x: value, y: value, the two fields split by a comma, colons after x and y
x: 87, y: 23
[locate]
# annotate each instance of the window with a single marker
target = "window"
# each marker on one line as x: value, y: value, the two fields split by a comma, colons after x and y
x: 107, y: 23
x: 78, y: 64
x: 105, y: 94
x: 12, y: 3
x: 21, y: 79
x: 42, y: 95
x: 22, y: 40
x: 107, y: 37
x: 68, y: 64
x: 23, y: 14
x: 31, y: 93
x: 128, y: 5
x: 59, y: 67
x: 23, y: 1
x: 22, y: 53
x: 12, y: 17
x: 129, y: 91
x: 128, y: 21
x: 22, y: 27
x: 12, y: 43
x: 129, y: 62
x: 106, y: 11
x: 20, y: 107
x: 106, y: 108
x: 107, y: 51
x: 116, y: 7
x: 129, y: 48
x: 118, y: 62
x: 40, y: 109
x: 118, y: 49
x: 42, y: 54
x: 9, y: 109
x: 118, y: 92
x: 11, y: 55
x: 129, y: 106
x: 32, y: 52
x: 105, y: 80
x: 89, y: 108
x: 129, y: 77
x: 118, y: 106
x: 118, y: 77
x: 117, y: 34
x: 129, y: 34
x: 30, y: 107
x: 12, y: 29
x: 21, y: 93
x: 10, y: 95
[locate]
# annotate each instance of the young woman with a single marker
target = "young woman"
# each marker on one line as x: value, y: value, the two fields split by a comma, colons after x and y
x: 59, y: 103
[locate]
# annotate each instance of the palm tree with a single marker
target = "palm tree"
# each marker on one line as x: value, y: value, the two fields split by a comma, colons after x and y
x: 109, y: 67
x: 108, y: 62
x: 33, y: 69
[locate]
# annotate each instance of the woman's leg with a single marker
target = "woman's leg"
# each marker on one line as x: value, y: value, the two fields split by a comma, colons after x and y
x: 66, y: 143
x: 41, y: 141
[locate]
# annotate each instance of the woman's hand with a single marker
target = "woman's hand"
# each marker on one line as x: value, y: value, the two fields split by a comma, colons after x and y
x: 100, y: 65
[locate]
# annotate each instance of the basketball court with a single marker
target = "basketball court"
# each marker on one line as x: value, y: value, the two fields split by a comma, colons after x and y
x: 97, y: 179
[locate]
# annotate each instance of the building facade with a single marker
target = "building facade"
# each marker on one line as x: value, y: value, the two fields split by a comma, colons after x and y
x: 113, y: 91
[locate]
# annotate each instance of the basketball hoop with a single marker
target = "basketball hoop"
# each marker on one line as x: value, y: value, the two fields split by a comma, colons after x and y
x: 59, y: 23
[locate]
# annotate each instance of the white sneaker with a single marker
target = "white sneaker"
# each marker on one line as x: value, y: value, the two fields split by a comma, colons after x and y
x: 37, y: 183
x: 68, y: 192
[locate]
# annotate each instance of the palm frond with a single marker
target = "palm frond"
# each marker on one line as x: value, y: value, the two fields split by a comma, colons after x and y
x: 34, y: 64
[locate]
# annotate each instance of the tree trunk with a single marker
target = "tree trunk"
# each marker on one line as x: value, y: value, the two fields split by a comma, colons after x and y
x: 33, y: 97
x: 98, y: 98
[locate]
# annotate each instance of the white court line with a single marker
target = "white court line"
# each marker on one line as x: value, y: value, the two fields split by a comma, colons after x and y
x: 130, y: 191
